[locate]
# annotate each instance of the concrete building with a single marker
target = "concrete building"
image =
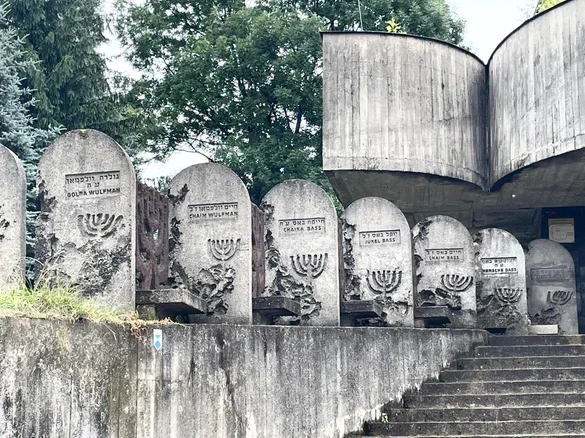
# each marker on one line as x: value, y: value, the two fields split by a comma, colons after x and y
x: 433, y: 129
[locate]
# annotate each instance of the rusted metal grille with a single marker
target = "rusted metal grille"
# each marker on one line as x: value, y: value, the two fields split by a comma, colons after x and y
x: 152, y: 240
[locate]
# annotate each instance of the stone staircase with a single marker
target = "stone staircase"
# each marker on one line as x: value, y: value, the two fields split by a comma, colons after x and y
x: 517, y: 386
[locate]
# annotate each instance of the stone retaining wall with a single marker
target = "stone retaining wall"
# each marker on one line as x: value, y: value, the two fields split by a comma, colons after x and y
x: 93, y: 380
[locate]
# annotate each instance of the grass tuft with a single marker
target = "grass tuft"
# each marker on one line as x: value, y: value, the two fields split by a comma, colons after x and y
x: 58, y: 302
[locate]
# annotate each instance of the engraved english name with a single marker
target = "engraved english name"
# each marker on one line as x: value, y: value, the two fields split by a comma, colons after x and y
x: 213, y: 212
x: 499, y: 266
x: 93, y: 184
x: 445, y: 255
x: 302, y: 226
x: 379, y: 238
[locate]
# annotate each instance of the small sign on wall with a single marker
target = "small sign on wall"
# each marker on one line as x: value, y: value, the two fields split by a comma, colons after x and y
x: 561, y: 230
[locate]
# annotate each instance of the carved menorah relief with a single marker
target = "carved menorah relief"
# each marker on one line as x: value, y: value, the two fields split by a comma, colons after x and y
x: 507, y: 295
x: 223, y: 249
x: 559, y: 297
x: 309, y: 266
x: 456, y: 283
x: 384, y: 282
x: 99, y: 224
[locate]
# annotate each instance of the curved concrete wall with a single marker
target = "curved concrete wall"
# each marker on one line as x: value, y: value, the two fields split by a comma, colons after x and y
x: 403, y: 103
x: 537, y: 90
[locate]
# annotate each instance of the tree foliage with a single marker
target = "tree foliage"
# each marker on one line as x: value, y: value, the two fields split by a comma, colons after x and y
x: 16, y: 123
x: 543, y: 5
x: 243, y: 83
x: 69, y: 78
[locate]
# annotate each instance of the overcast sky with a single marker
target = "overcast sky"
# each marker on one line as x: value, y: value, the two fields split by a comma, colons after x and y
x: 487, y: 23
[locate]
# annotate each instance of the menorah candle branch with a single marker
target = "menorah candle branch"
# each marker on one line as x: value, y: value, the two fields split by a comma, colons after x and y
x: 559, y: 297
x: 456, y: 283
x: 223, y: 249
x: 508, y: 295
x: 98, y: 224
x: 384, y: 282
x: 309, y: 265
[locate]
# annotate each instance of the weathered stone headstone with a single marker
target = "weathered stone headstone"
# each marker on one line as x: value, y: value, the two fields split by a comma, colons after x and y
x: 550, y: 274
x: 302, y: 245
x: 445, y: 268
x: 87, y: 228
x: 501, y: 281
x: 12, y: 219
x: 211, y: 241
x: 377, y: 257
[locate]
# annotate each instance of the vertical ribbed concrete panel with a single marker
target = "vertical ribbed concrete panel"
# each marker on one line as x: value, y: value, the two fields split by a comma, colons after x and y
x: 537, y: 90
x: 403, y: 103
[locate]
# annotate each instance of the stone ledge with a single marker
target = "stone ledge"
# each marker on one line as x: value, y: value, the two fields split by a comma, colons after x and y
x: 171, y: 301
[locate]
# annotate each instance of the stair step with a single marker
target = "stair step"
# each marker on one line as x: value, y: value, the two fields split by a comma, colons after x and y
x: 493, y: 400
x: 504, y: 387
x: 488, y: 414
x: 530, y: 350
x: 475, y: 428
x: 521, y: 362
x: 486, y: 436
x: 513, y: 374
x: 537, y: 340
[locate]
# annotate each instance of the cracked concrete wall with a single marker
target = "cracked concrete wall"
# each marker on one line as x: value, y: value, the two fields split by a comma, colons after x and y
x: 93, y: 380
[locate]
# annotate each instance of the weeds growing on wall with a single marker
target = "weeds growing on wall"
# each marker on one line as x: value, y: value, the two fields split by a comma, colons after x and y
x: 57, y: 302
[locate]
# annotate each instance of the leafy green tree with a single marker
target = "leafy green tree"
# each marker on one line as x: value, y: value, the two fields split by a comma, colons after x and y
x: 243, y: 84
x: 16, y: 124
x: 69, y: 79
x: 543, y: 5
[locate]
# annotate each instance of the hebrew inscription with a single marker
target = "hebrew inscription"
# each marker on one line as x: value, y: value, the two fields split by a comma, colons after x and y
x: 211, y: 212
x: 302, y: 226
x: 377, y: 238
x: 499, y: 266
x: 550, y: 274
x: 88, y: 185
x: 444, y: 255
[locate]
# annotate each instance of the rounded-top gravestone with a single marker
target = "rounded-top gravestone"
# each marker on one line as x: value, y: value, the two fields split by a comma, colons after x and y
x: 377, y: 257
x: 445, y: 268
x: 86, y: 231
x: 12, y: 219
x: 302, y: 250
x: 550, y: 273
x: 501, y: 281
x: 210, y: 224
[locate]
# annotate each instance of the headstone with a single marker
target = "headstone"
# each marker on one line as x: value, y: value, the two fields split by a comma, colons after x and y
x: 302, y: 248
x: 12, y: 219
x: 550, y: 274
x: 86, y: 232
x: 445, y: 268
x: 377, y: 257
x: 211, y: 241
x: 501, y: 281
